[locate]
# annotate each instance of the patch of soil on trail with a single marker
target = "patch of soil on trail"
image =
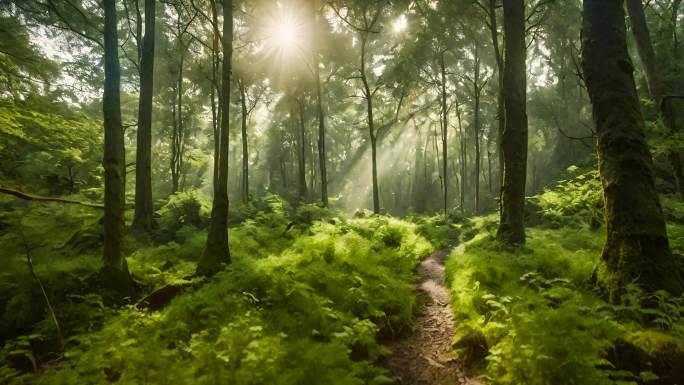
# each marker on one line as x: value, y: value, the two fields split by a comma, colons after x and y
x: 425, y: 357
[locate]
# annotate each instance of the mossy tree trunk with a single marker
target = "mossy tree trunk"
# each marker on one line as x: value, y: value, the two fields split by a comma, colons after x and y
x: 656, y: 86
x: 143, y: 217
x: 216, y: 251
x: 114, y: 274
x: 636, y: 247
x: 514, y: 138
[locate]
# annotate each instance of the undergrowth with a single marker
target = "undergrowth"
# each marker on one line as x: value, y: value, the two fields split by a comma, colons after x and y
x: 529, y: 315
x: 303, y: 302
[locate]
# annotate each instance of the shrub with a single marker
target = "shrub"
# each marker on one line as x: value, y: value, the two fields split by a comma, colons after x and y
x: 185, y: 208
x: 528, y: 315
x: 289, y: 310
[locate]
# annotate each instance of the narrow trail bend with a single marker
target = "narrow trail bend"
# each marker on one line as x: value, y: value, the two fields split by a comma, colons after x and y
x: 425, y: 356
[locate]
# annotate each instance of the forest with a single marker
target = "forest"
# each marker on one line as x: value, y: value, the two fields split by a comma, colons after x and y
x: 342, y: 192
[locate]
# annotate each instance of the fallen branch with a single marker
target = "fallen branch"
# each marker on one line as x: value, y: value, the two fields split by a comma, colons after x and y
x: 31, y: 197
x: 51, y: 310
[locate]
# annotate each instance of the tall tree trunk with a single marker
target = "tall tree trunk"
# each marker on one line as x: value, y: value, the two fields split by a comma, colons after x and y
x: 312, y: 166
x: 368, y: 94
x: 114, y: 273
x: 514, y: 139
x: 500, y: 111
x: 245, y: 146
x: 216, y: 251
x: 636, y: 247
x: 301, y: 158
x: 478, y: 156
x: 445, y: 128
x: 322, y: 157
x: 215, y: 91
x: 144, y: 208
x: 477, y: 89
x: 489, y: 168
x: 463, y: 156
x: 178, y: 137
x: 656, y: 85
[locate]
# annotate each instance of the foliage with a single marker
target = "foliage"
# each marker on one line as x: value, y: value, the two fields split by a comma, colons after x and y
x: 186, y: 208
x: 63, y: 242
x: 304, y: 308
x: 529, y: 314
x: 440, y: 230
x: 573, y: 202
x: 51, y: 153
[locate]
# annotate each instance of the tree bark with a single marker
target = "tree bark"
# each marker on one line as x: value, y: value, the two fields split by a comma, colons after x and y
x: 445, y: 128
x: 215, y: 91
x: 217, y: 250
x: 636, y: 247
x: 245, y: 146
x: 514, y: 139
x: 144, y: 207
x: 301, y: 159
x: 178, y: 136
x: 322, y: 156
x: 476, y: 124
x: 500, y: 111
x: 114, y: 274
x: 368, y: 94
x: 463, y: 156
x: 655, y: 83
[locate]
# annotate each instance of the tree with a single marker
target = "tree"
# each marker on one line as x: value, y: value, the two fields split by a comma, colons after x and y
x: 514, y: 137
x: 144, y: 207
x: 478, y: 82
x: 115, y: 274
x: 315, y: 63
x: 217, y: 250
x: 489, y: 7
x: 636, y: 247
x: 302, y: 191
x: 655, y: 83
x: 184, y: 40
x: 364, y: 19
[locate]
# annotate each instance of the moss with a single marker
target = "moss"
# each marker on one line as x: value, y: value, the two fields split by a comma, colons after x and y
x: 651, y: 351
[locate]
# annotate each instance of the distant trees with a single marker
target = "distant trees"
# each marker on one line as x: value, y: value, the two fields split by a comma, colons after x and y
x: 250, y: 95
x: 514, y: 137
x: 656, y: 84
x: 636, y: 247
x: 364, y: 19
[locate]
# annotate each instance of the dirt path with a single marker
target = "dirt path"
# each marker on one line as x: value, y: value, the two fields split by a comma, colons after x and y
x: 425, y: 357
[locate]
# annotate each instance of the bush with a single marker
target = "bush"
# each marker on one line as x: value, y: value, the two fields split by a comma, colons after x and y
x: 529, y: 315
x: 577, y: 201
x: 185, y: 208
x: 289, y: 310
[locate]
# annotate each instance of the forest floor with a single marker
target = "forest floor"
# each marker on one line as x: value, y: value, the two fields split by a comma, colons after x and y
x: 425, y: 357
